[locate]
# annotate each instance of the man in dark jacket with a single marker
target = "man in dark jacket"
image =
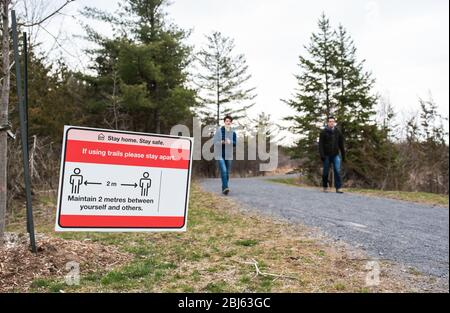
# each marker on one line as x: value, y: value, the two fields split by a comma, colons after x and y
x: 331, y: 141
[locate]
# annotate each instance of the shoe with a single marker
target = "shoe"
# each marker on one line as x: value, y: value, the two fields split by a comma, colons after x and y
x: 226, y: 191
x: 325, y: 189
x: 339, y: 191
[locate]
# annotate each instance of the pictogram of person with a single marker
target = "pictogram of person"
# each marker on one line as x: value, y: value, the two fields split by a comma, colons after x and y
x: 145, y: 184
x: 76, y: 180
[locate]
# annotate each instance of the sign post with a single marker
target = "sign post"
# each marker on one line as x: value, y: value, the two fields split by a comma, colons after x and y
x: 23, y: 115
x: 123, y: 181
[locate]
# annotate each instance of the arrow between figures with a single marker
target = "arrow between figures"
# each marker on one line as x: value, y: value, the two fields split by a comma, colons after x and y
x: 91, y: 183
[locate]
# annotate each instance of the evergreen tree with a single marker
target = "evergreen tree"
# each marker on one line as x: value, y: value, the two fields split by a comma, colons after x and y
x: 333, y: 82
x: 221, y: 79
x: 355, y: 112
x: 313, y: 99
x: 390, y: 171
x: 355, y: 103
x: 144, y: 67
x: 431, y: 121
x: 433, y: 147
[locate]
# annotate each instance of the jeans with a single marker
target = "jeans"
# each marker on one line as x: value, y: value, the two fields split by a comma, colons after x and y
x: 224, y: 167
x: 336, y: 160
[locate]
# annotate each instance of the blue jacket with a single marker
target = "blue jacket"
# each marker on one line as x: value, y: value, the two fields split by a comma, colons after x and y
x: 222, y: 150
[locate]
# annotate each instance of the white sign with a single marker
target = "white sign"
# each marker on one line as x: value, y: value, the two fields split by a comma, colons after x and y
x: 123, y: 181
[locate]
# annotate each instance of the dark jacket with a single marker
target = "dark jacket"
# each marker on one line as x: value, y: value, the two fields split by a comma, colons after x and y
x: 330, y: 142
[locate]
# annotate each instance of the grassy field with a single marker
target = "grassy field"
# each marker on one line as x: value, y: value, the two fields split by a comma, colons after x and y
x: 417, y: 197
x: 223, y: 250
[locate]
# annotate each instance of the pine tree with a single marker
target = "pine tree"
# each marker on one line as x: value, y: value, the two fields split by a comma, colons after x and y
x: 355, y: 103
x: 433, y: 147
x: 391, y: 170
x: 356, y: 110
x: 333, y: 82
x: 222, y: 78
x: 314, y: 99
x: 146, y: 64
x: 431, y: 122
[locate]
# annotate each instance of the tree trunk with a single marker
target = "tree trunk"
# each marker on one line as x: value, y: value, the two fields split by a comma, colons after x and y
x: 158, y: 121
x: 4, y: 114
x: 114, y: 101
x: 218, y: 94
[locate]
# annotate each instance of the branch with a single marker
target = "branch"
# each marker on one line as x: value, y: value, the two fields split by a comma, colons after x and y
x: 48, y: 16
x: 9, y: 69
x: 258, y: 271
x: 56, y: 41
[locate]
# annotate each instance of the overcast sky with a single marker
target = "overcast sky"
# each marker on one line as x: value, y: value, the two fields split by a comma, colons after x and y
x: 405, y: 43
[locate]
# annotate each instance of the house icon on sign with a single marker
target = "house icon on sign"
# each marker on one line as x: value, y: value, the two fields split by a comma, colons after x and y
x: 101, y: 137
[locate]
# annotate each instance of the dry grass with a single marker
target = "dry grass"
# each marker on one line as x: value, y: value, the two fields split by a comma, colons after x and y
x: 22, y: 271
x: 226, y: 250
x: 416, y: 197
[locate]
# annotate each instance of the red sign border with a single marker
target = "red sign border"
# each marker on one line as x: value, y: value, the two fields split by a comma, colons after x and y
x: 123, y: 132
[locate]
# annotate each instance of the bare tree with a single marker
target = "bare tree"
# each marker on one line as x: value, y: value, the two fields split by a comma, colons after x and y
x: 222, y: 78
x: 5, y: 6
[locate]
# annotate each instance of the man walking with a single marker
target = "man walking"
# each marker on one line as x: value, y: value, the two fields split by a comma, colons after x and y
x: 224, y: 141
x: 331, y: 141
